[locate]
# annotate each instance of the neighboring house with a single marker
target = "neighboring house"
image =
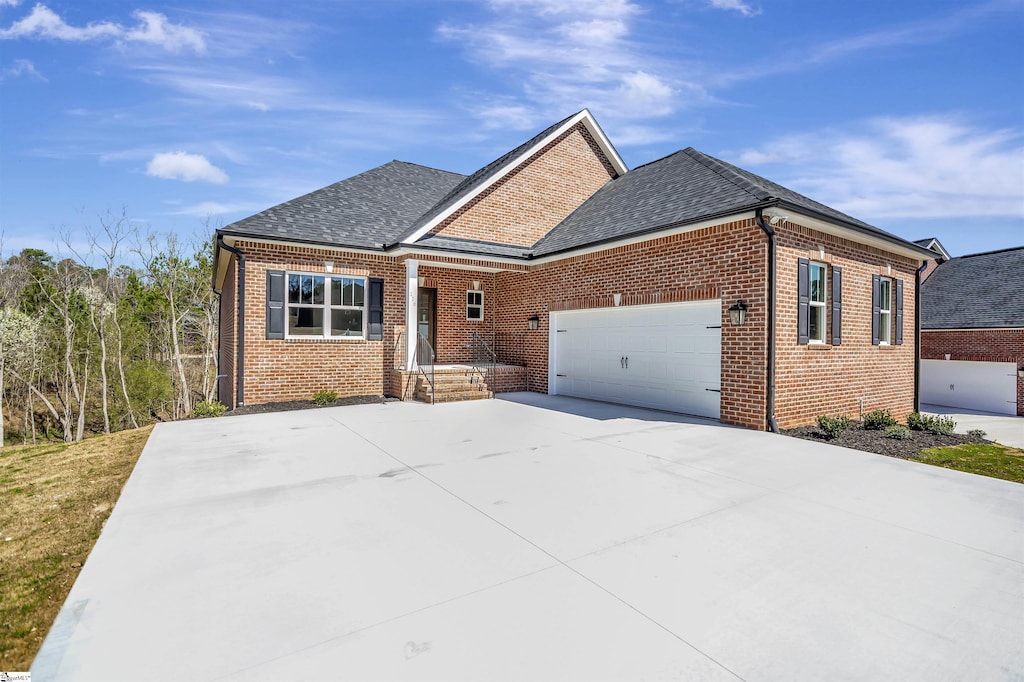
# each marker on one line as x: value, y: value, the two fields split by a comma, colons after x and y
x: 972, y: 333
x: 578, y: 277
x: 932, y: 244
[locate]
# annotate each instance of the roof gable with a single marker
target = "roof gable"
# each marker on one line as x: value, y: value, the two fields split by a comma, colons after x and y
x: 933, y: 244
x: 477, y: 183
x: 983, y: 290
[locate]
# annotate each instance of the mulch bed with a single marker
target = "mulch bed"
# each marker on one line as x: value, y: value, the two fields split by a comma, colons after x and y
x: 287, y: 406
x: 859, y: 438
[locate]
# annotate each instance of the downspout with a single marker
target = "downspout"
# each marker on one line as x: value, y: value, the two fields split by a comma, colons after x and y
x: 917, y: 336
x: 770, y: 388
x: 240, y: 363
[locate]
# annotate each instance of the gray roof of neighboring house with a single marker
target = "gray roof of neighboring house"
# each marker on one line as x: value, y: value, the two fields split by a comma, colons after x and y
x: 474, y: 181
x: 983, y: 290
x: 685, y: 187
x: 366, y: 210
x: 933, y: 244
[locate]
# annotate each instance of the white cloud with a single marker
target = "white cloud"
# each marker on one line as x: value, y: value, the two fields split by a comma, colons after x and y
x: 743, y: 8
x: 22, y: 67
x: 212, y: 208
x: 566, y: 55
x: 185, y: 166
x: 9, y: 3
x: 153, y: 29
x: 920, y: 167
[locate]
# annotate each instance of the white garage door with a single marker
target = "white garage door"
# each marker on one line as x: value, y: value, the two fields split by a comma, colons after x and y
x: 985, y: 386
x: 667, y: 357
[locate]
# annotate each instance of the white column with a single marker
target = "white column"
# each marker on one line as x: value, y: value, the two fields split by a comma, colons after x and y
x: 412, y: 290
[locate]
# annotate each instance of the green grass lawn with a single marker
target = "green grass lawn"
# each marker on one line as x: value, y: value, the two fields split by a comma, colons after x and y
x: 987, y: 459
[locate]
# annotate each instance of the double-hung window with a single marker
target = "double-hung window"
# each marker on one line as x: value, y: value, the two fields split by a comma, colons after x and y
x: 816, y: 304
x: 475, y: 305
x: 329, y: 306
x: 885, y: 311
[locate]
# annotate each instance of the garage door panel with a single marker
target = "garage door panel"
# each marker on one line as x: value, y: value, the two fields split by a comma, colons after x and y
x: 673, y: 356
x: 984, y: 386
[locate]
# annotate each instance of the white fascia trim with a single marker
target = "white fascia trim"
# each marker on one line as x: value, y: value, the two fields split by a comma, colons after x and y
x: 794, y: 216
x: 976, y: 329
x: 584, y: 116
x: 935, y: 245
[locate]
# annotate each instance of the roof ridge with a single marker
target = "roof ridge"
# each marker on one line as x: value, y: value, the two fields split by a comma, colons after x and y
x: 989, y: 253
x: 420, y: 165
x: 727, y: 172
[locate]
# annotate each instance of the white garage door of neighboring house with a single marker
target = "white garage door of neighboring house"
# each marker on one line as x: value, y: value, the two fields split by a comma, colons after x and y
x: 667, y: 357
x: 985, y: 386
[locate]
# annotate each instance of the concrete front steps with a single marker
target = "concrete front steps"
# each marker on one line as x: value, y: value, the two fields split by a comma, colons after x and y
x: 452, y: 385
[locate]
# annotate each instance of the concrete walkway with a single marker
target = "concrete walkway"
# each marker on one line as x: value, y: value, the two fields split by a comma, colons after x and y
x: 998, y: 427
x: 539, y: 538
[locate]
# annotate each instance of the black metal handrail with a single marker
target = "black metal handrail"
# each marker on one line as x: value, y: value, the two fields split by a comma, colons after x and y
x: 425, y: 361
x: 484, y: 359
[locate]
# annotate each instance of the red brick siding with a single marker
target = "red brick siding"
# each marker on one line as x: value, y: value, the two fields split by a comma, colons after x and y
x: 293, y: 369
x: 980, y: 345
x: 228, y: 349
x: 726, y: 261
x: 454, y: 333
x: 930, y: 270
x: 525, y: 204
x: 825, y: 379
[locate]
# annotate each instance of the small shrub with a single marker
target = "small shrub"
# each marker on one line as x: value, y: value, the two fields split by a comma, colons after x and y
x: 325, y: 397
x: 208, y: 408
x: 878, y: 420
x: 977, y: 433
x: 897, y: 432
x: 942, y: 426
x: 833, y: 426
x: 917, y: 421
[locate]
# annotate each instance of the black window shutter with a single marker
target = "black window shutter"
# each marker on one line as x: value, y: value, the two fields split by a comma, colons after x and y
x: 803, y: 308
x: 275, y: 304
x: 876, y: 287
x: 376, y: 327
x: 837, y: 305
x: 899, y: 312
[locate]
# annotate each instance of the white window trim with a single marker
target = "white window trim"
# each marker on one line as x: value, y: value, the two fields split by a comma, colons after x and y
x: 481, y: 306
x: 326, y: 306
x: 823, y: 304
x: 885, y: 330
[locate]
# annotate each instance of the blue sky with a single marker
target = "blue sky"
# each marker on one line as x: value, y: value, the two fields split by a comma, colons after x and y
x: 906, y: 114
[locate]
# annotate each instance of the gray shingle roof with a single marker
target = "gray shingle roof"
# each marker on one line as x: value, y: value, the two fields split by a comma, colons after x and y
x: 366, y: 210
x: 472, y: 246
x: 481, y: 176
x: 685, y: 187
x: 983, y: 290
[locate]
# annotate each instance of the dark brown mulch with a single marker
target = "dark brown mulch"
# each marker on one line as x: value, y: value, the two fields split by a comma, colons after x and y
x: 859, y: 438
x: 287, y: 406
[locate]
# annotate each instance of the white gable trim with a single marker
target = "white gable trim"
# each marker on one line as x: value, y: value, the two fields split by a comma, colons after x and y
x: 584, y: 117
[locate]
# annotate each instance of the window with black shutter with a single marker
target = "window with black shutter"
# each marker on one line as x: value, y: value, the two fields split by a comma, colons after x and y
x: 803, y: 301
x: 275, y: 304
x: 837, y: 305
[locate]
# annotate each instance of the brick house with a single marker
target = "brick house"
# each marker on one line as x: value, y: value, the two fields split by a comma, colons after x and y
x: 557, y: 269
x: 972, y: 333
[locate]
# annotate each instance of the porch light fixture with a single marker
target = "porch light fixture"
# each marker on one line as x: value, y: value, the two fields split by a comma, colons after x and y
x: 738, y: 313
x: 1020, y: 371
x: 533, y: 322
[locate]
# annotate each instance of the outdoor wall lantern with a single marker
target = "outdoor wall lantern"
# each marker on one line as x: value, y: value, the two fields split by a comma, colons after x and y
x: 738, y: 313
x: 534, y: 322
x: 1020, y: 372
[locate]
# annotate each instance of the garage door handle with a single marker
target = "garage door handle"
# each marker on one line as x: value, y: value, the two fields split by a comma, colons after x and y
x: 622, y: 361
x: 627, y: 362
x: 714, y: 390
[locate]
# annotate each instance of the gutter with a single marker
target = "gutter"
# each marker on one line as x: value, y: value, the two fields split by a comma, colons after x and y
x: 917, y: 336
x: 240, y: 363
x: 770, y: 387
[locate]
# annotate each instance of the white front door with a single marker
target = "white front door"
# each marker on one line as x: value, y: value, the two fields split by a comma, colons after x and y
x: 666, y: 357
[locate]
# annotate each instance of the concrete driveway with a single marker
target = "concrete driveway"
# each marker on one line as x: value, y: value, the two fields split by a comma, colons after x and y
x: 998, y: 427
x: 540, y: 538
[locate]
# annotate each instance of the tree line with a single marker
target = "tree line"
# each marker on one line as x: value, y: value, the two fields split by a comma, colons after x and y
x: 116, y: 330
